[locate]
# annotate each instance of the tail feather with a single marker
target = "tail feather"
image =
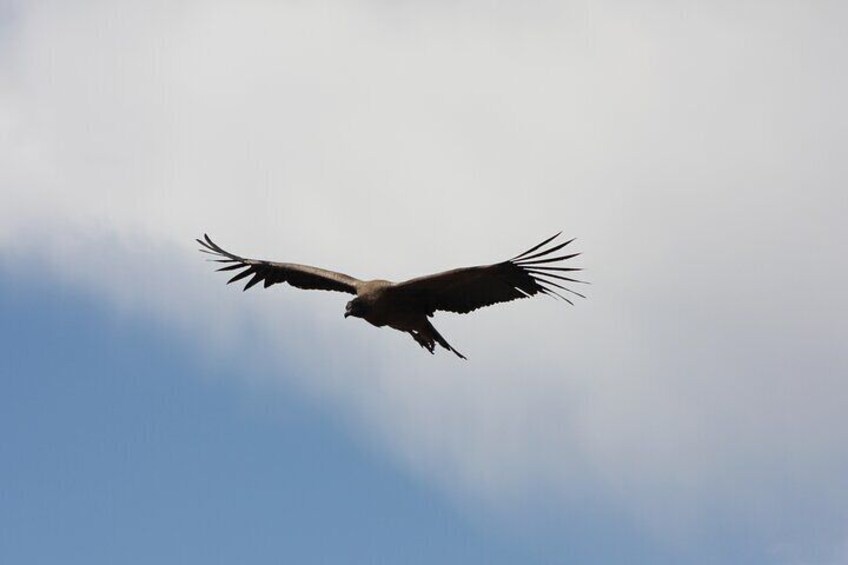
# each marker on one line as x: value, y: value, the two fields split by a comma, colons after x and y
x: 443, y: 342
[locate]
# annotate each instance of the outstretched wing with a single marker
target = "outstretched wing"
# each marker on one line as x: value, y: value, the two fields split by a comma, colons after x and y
x: 268, y: 272
x: 535, y: 271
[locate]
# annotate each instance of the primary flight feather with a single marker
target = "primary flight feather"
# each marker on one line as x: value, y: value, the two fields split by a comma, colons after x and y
x: 406, y: 306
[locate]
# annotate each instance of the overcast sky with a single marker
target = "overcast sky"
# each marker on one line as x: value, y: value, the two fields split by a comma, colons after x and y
x: 692, y: 409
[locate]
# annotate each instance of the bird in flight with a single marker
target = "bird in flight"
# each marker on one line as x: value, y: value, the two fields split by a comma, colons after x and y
x: 406, y: 306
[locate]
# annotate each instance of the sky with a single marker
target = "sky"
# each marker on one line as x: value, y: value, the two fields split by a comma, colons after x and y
x: 691, y: 410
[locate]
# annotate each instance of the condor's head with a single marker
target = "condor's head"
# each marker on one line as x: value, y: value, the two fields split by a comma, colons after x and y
x: 356, y: 308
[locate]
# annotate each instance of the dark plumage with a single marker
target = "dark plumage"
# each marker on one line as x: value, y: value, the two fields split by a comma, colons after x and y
x: 406, y: 306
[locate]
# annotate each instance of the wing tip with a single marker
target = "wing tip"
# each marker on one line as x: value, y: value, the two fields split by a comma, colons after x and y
x: 535, y: 264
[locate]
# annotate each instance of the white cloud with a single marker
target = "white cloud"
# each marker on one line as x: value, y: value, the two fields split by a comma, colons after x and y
x: 695, y: 150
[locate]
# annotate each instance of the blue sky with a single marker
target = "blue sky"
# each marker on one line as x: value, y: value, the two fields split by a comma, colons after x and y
x: 691, y: 410
x: 118, y: 445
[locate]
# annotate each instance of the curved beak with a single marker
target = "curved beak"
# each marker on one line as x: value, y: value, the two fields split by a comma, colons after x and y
x: 347, y: 314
